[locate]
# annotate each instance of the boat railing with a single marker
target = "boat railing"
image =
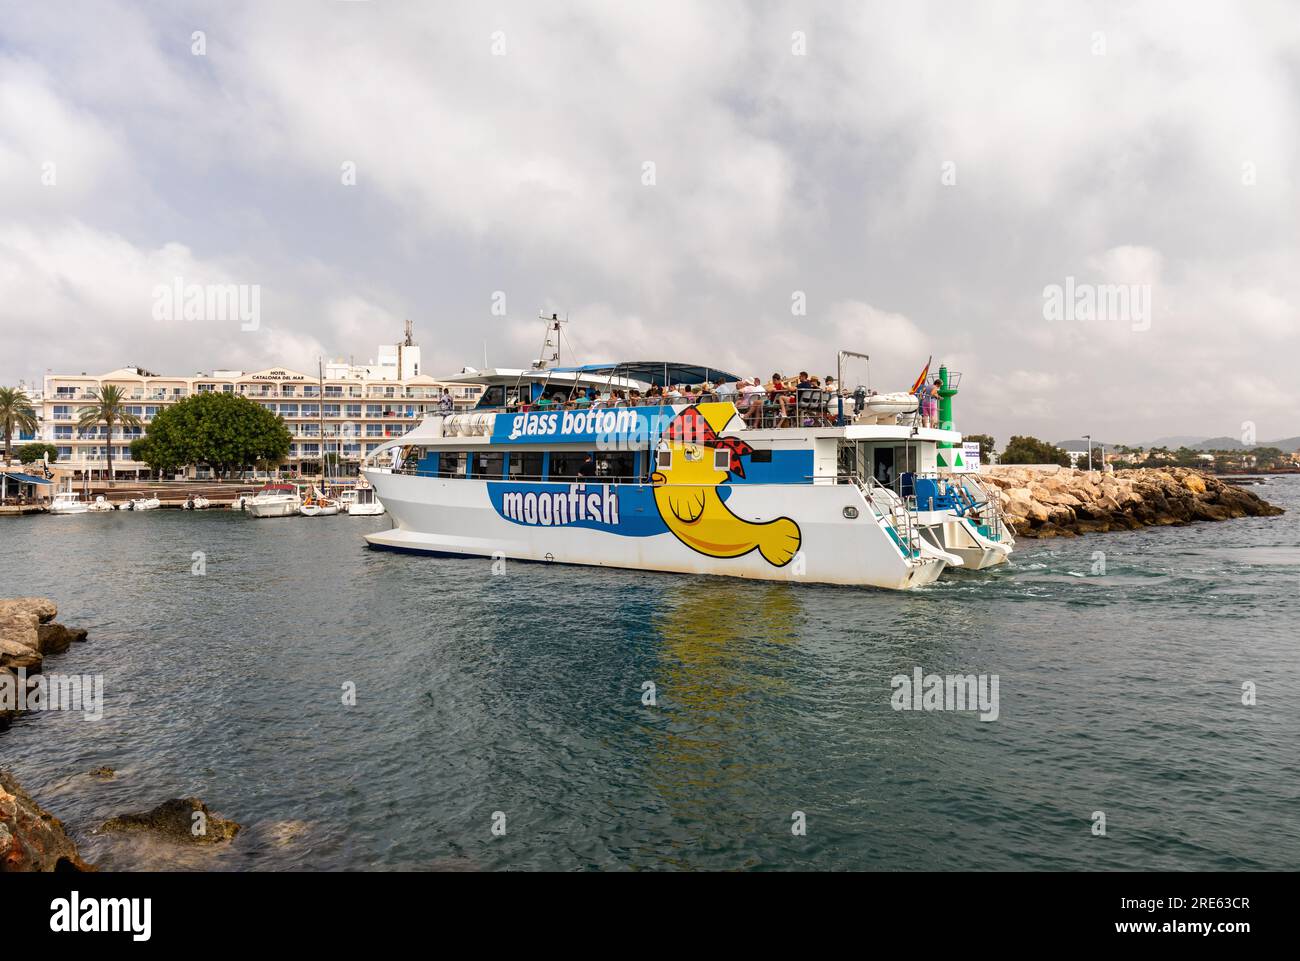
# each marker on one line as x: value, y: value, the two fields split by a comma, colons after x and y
x: 769, y: 410
x: 990, y: 516
x: 969, y: 499
x: 895, y: 515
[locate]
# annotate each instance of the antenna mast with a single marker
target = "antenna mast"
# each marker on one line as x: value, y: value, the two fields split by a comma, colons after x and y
x: 550, y: 344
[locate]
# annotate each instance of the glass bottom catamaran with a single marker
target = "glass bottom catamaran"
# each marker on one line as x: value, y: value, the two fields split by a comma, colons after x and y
x: 830, y: 496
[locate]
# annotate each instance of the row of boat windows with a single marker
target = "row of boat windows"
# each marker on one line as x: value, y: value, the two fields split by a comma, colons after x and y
x: 551, y: 465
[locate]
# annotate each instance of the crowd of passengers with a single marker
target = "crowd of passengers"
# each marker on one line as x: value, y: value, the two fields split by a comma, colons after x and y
x: 781, y: 402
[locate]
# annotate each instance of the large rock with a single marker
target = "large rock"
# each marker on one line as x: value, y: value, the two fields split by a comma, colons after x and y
x: 44, y: 608
x: 16, y: 655
x: 32, y: 839
x: 55, y: 638
x: 175, y: 819
x: 21, y: 628
x: 1063, y: 502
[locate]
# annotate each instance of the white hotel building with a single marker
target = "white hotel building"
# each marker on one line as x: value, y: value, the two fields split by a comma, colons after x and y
x: 344, y: 409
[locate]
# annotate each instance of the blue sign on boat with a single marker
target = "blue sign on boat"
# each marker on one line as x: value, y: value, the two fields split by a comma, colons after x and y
x: 606, y: 425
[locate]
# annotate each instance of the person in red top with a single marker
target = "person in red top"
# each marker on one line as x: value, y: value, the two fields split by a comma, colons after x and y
x: 780, y: 394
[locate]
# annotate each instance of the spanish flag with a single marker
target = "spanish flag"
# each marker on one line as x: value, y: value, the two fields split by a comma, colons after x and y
x: 925, y: 375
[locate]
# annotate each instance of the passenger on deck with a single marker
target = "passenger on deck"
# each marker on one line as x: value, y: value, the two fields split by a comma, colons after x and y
x: 930, y: 404
x: 752, y: 397
x: 779, y: 395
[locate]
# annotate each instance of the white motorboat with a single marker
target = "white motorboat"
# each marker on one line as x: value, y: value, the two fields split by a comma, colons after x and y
x: 146, y: 504
x: 100, y: 503
x: 66, y: 502
x: 365, y: 503
x: 275, y: 500
x: 196, y: 503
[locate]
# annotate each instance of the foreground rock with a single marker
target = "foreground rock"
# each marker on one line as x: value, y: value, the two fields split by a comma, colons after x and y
x: 44, y: 608
x: 27, y: 634
x: 176, y: 820
x: 32, y: 839
x: 1066, y: 502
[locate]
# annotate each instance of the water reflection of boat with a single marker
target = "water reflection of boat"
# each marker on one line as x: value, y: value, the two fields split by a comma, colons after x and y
x: 714, y: 676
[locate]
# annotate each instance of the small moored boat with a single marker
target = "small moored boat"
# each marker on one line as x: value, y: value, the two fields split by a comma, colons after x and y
x: 275, y: 500
x: 66, y: 502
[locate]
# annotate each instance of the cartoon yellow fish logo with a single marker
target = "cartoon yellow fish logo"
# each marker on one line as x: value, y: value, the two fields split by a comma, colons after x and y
x: 686, y: 494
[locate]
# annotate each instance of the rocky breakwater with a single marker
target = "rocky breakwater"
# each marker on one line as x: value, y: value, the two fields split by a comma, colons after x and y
x: 31, y: 839
x: 1064, y: 502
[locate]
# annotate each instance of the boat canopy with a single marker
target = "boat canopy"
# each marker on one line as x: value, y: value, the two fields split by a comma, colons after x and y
x: 661, y: 373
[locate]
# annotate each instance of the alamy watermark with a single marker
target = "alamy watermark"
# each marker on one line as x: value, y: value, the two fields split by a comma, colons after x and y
x: 209, y: 302
x: 53, y: 692
x: 946, y: 692
x: 1130, y: 303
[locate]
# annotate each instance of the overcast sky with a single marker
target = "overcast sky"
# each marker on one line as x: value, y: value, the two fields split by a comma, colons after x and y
x: 917, y: 174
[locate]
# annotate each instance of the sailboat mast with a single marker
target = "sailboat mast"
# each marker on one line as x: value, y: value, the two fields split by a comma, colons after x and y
x: 320, y: 409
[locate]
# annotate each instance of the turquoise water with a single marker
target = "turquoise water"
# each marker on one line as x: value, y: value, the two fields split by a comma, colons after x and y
x: 521, y: 693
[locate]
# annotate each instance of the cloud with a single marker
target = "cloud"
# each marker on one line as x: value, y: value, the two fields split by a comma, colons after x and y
x: 505, y: 149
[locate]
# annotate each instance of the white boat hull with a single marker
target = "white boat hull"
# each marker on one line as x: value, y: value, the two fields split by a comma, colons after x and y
x: 366, y: 510
x: 69, y: 509
x: 317, y: 510
x: 286, y: 507
x: 462, y: 517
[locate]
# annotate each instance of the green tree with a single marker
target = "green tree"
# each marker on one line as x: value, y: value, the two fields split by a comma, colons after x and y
x: 1268, y: 456
x: 1031, y: 450
x: 31, y: 453
x: 987, y: 445
x: 224, y: 431
x: 108, y: 408
x: 16, y: 414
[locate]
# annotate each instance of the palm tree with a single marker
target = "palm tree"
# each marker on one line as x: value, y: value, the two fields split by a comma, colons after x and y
x: 108, y: 409
x: 16, y: 413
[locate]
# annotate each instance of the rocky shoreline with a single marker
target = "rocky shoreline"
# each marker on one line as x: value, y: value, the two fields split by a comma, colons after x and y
x: 1066, y: 502
x: 31, y: 838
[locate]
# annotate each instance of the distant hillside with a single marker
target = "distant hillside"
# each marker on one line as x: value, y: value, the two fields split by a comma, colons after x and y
x: 1173, y: 443
x: 1082, y: 445
x: 1208, y: 443
x: 1231, y: 443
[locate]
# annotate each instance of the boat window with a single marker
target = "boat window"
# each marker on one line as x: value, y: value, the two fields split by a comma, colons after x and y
x: 761, y: 456
x: 722, y: 458
x: 664, y: 460
x: 494, y: 396
x: 526, y: 465
x: 565, y: 464
x: 489, y: 465
x: 451, y: 463
x: 619, y: 463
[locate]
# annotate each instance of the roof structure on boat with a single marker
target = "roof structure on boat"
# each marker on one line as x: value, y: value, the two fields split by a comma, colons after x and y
x: 661, y: 373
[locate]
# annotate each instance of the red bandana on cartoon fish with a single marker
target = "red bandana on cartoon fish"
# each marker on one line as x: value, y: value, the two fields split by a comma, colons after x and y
x: 690, y: 427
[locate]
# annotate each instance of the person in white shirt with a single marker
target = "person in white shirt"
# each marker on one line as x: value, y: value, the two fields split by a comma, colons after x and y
x: 752, y: 396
